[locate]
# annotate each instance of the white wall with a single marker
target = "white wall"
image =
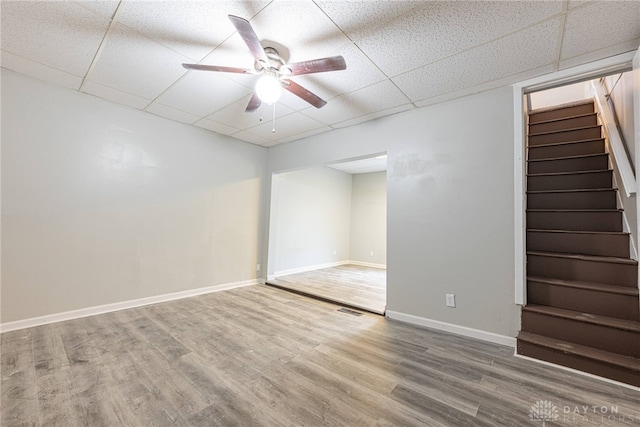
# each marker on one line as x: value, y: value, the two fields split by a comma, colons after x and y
x: 622, y: 97
x: 311, y: 218
x: 369, y: 218
x: 450, y: 210
x: 560, y: 95
x: 103, y: 204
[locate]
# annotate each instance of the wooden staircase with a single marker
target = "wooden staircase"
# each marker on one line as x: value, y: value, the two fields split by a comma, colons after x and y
x: 582, y: 286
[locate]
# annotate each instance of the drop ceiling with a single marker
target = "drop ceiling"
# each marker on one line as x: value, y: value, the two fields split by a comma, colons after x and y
x: 400, y: 55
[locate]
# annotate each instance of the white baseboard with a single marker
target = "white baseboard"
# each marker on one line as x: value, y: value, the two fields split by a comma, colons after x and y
x: 450, y: 327
x: 368, y: 264
x: 320, y: 266
x: 106, y: 308
x: 305, y: 269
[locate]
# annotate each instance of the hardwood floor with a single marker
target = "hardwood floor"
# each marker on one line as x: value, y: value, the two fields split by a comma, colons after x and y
x: 354, y: 285
x: 259, y: 356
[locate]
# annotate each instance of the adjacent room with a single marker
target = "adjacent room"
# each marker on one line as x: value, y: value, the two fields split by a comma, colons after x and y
x: 164, y: 162
x: 328, y: 232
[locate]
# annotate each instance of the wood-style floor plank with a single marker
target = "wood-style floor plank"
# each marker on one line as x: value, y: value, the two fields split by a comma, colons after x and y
x: 261, y: 356
x: 353, y: 285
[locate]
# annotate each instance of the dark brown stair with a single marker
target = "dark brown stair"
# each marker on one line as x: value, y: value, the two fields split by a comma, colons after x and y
x: 607, y: 270
x: 583, y: 308
x: 579, y: 134
x: 600, y: 243
x: 592, y: 330
x: 563, y: 149
x: 573, y: 122
x: 570, y: 180
x: 575, y: 219
x: 586, y: 162
x: 596, y: 198
x: 562, y: 112
x: 604, y: 363
x: 605, y: 300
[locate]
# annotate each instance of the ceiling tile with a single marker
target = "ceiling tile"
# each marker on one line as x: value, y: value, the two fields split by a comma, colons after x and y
x: 492, y: 84
x: 600, y: 25
x: 39, y: 71
x: 215, y: 126
x: 594, y: 55
x: 316, y: 131
x: 253, y: 139
x: 440, y: 29
x: 115, y: 95
x: 193, y: 28
x: 171, y: 113
x: 234, y: 114
x: 286, y: 126
x: 106, y: 8
x: 372, y: 116
x: 528, y: 49
x: 137, y: 65
x: 300, y: 27
x: 379, y: 96
x: 358, y: 18
x: 62, y: 35
x: 202, y: 93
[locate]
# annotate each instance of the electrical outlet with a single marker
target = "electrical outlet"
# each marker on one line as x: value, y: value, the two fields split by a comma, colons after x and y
x: 335, y: 252
x: 257, y: 267
x: 451, y: 300
x: 371, y: 253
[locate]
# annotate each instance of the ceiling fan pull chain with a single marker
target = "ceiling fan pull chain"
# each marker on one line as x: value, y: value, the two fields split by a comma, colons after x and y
x: 273, y: 129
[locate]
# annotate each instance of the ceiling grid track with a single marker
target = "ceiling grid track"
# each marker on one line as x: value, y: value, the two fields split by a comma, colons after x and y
x: 96, y: 57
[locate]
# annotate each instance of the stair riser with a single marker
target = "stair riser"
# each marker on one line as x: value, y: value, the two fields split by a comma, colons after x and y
x: 584, y: 300
x: 566, y: 136
x: 616, y: 245
x: 619, y: 341
x: 576, y: 221
x: 582, y: 270
x: 577, y: 110
x: 615, y: 373
x: 602, y: 179
x: 573, y: 200
x: 569, y: 165
x: 595, y: 146
x: 571, y: 123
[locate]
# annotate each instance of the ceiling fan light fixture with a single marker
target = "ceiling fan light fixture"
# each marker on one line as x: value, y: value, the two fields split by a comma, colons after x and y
x: 268, y: 89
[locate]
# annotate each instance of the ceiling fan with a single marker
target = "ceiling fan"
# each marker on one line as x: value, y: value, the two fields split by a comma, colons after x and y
x: 273, y: 69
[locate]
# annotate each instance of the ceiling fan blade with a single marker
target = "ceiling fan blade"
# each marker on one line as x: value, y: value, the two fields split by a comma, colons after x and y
x: 303, y: 93
x: 217, y: 68
x: 250, y: 38
x: 333, y: 63
x: 254, y: 103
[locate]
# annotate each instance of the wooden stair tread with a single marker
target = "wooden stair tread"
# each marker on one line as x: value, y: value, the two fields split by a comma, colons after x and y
x: 581, y: 156
x: 577, y: 190
x: 586, y: 285
x: 595, y: 258
x: 577, y: 116
x: 628, y: 362
x: 565, y: 130
x: 599, y: 233
x: 596, y: 319
x: 562, y: 106
x: 574, y: 210
x: 569, y: 173
x: 553, y: 144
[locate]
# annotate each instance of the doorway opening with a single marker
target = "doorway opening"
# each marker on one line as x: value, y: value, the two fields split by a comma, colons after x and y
x: 328, y: 232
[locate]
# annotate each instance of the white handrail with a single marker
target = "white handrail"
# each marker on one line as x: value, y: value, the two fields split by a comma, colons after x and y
x: 615, y: 140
